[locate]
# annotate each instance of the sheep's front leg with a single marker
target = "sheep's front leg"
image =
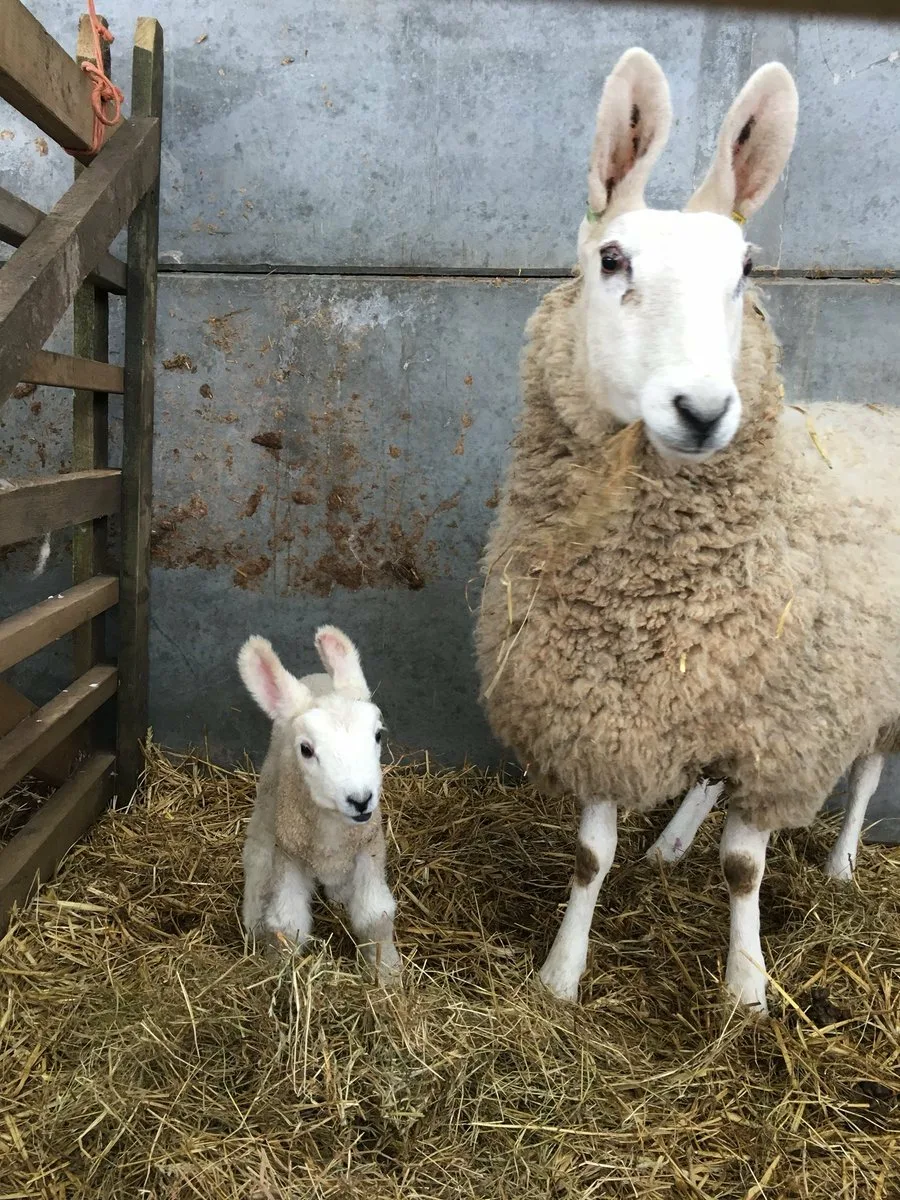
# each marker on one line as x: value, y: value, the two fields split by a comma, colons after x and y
x: 675, y: 840
x: 594, y: 855
x: 371, y: 907
x: 743, y: 856
x: 864, y: 779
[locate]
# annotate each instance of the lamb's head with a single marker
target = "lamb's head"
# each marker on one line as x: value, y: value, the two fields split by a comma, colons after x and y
x: 663, y: 290
x: 336, y: 733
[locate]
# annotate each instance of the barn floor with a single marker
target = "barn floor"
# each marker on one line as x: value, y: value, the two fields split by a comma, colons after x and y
x: 143, y: 1053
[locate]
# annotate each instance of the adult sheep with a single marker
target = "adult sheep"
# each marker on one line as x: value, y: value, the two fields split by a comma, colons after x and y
x: 687, y: 577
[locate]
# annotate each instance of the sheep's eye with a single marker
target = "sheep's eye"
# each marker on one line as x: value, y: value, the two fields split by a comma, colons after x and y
x: 306, y: 750
x: 378, y: 733
x: 613, y: 259
x: 748, y: 266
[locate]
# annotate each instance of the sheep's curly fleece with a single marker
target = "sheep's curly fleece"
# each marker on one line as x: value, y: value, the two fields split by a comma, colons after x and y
x: 739, y: 618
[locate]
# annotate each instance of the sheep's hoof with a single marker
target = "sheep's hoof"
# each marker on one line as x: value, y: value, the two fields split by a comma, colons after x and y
x: 385, y: 961
x: 750, y: 994
x: 560, y: 981
x: 839, y: 867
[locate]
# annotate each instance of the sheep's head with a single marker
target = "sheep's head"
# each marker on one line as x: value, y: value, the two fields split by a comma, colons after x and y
x: 336, y: 735
x: 664, y: 290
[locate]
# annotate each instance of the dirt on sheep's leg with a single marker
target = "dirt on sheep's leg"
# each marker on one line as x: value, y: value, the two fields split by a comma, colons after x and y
x: 594, y: 855
x: 743, y: 856
x: 675, y: 840
x: 864, y: 779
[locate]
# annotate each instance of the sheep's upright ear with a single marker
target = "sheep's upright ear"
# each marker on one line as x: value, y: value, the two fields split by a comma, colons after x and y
x: 632, y: 127
x: 273, y: 688
x: 340, y: 658
x: 755, y: 141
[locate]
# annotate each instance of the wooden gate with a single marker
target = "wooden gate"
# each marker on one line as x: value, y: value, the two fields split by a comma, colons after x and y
x: 88, y: 738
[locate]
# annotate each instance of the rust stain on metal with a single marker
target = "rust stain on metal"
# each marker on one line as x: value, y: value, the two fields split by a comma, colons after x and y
x: 179, y: 362
x: 394, y: 451
x: 467, y: 420
x: 253, y: 501
x: 271, y: 440
x: 468, y: 381
x: 460, y: 447
x: 252, y: 569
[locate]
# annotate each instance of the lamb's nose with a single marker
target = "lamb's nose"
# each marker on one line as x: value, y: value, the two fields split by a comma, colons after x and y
x: 360, y: 802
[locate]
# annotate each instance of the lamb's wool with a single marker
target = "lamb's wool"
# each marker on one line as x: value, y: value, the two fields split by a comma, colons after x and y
x: 324, y: 842
x: 737, y: 618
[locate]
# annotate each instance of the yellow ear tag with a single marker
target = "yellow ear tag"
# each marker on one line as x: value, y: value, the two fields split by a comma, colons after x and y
x: 739, y: 217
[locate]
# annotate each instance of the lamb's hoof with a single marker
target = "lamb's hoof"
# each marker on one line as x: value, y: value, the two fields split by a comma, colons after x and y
x: 389, y: 968
x: 839, y: 867
x: 560, y: 981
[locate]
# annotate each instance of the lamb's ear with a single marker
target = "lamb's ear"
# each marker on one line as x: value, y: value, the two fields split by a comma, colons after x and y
x: 632, y: 127
x: 273, y: 688
x: 340, y: 658
x: 755, y: 142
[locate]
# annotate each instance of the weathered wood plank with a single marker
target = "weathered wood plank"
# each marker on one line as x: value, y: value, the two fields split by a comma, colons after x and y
x: 18, y: 220
x: 36, y: 851
x: 74, y: 371
x: 39, y: 282
x: 27, y: 632
x: 56, y: 766
x: 33, y: 507
x: 39, y: 79
x: 26, y: 744
x: 137, y: 445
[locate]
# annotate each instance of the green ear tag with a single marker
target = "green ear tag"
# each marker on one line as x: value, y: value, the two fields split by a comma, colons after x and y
x: 593, y: 216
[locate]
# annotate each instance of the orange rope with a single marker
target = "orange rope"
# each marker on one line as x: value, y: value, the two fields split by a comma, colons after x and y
x: 104, y: 92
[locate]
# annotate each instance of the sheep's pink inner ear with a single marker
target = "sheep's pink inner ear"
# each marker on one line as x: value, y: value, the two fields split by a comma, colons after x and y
x: 334, y: 651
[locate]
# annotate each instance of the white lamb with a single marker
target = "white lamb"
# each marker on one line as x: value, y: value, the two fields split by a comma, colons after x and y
x: 316, y: 817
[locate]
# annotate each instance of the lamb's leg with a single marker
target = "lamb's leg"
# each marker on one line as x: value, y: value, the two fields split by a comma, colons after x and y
x: 288, y: 911
x: 743, y: 856
x: 593, y: 857
x: 864, y: 777
x: 371, y: 907
x: 675, y: 840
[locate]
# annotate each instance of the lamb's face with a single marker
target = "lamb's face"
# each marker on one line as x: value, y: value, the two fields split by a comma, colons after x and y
x: 338, y: 748
x: 663, y: 299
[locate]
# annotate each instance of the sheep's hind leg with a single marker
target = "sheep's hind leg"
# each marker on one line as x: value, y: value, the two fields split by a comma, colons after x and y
x: 743, y: 856
x: 594, y: 855
x: 864, y: 778
x: 675, y: 840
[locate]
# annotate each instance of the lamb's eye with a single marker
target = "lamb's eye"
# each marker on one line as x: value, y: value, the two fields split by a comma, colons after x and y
x: 378, y: 733
x: 748, y: 266
x: 613, y: 258
x: 306, y: 750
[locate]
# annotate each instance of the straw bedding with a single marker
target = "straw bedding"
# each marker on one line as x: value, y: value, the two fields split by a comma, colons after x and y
x: 145, y: 1053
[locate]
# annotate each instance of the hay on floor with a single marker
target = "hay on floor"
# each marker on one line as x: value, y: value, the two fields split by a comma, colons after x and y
x: 145, y: 1054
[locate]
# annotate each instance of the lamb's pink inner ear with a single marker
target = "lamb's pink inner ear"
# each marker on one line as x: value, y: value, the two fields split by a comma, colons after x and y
x: 270, y: 682
x: 333, y: 651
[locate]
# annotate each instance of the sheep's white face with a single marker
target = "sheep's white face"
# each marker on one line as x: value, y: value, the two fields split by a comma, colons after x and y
x: 663, y: 297
x: 338, y: 747
x: 663, y: 291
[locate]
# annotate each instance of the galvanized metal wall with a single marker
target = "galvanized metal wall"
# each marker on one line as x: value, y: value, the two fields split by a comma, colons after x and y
x: 363, y: 200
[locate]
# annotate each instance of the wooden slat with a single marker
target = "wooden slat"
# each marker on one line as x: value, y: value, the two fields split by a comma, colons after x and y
x: 72, y: 371
x: 18, y: 220
x: 137, y: 434
x: 56, y: 766
x: 26, y: 744
x: 39, y: 282
x: 39, y: 79
x: 36, y: 851
x: 34, y: 507
x: 29, y: 631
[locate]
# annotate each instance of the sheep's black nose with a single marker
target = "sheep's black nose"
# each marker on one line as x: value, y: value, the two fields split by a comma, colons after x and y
x: 699, y: 422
